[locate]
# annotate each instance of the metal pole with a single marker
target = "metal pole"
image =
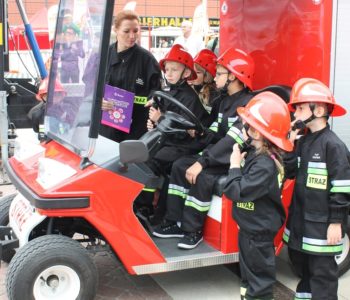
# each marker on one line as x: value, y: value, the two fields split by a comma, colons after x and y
x: 2, y: 35
x: 3, y: 100
x: 32, y: 40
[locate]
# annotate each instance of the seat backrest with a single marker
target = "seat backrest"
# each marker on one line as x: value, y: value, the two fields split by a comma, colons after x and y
x: 281, y: 90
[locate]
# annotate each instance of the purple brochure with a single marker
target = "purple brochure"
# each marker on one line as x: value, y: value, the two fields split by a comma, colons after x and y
x: 120, y: 116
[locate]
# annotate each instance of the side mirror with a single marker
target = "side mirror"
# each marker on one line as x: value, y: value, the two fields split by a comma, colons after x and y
x: 133, y: 152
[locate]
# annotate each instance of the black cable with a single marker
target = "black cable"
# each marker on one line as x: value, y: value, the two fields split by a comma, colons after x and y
x: 15, y: 46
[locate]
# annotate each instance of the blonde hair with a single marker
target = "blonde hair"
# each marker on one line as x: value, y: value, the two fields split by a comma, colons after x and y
x: 204, y: 94
x: 274, y: 153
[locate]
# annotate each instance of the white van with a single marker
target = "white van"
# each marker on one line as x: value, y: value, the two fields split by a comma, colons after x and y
x: 160, y: 40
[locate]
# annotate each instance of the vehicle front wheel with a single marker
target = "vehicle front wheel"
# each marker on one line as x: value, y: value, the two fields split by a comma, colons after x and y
x: 52, y: 267
x: 5, y: 203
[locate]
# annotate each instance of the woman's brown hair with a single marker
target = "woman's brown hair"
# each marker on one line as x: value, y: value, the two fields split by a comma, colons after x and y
x: 125, y: 15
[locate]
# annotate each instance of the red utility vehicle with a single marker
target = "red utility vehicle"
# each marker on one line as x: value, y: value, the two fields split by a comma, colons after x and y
x: 76, y: 191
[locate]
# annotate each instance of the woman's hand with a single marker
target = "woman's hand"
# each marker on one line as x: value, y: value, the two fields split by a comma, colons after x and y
x: 107, y: 105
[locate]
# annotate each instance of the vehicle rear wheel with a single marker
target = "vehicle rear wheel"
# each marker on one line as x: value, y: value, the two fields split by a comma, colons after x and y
x: 343, y: 260
x: 5, y: 203
x: 52, y: 267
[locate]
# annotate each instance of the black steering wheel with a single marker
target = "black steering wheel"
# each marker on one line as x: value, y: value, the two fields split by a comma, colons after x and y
x: 196, y: 124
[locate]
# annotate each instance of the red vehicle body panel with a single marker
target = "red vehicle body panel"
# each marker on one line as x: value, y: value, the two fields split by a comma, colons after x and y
x: 113, y: 218
x: 288, y: 39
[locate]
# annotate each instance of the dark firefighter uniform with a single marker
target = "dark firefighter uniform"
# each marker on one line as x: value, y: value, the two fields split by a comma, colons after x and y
x: 259, y: 213
x: 137, y: 71
x: 190, y: 203
x: 179, y: 145
x: 321, y: 197
x: 175, y: 145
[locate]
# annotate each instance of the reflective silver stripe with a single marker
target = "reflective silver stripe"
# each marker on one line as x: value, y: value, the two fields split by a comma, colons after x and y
x: 303, y: 295
x: 178, y: 188
x: 318, y: 242
x: 197, y: 204
x: 232, y: 120
x: 299, y: 159
x: 286, y: 231
x: 318, y: 165
x: 220, y: 115
x: 340, y: 182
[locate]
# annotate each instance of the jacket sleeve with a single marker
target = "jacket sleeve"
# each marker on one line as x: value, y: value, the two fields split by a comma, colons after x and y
x: 154, y: 75
x: 219, y: 154
x: 252, y: 185
x: 338, y: 165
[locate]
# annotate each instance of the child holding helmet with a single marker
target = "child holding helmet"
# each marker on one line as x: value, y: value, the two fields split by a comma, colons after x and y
x: 255, y: 191
x: 193, y: 178
x: 319, y: 209
x: 204, y: 85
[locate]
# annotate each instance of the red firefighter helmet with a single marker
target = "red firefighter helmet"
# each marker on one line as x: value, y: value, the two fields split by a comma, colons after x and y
x: 269, y: 114
x: 207, y: 60
x: 43, y: 87
x: 308, y: 90
x: 178, y: 54
x: 239, y: 64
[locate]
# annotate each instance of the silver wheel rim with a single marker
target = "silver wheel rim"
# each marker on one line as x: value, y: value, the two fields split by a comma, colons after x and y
x: 346, y: 248
x: 57, y: 282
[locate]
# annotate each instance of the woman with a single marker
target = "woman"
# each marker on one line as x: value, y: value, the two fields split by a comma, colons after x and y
x: 131, y: 68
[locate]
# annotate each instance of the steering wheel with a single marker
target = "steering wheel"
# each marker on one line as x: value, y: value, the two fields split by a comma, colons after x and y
x: 197, y: 125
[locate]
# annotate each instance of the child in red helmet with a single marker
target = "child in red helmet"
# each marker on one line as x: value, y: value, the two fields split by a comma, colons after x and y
x: 193, y: 177
x: 177, y: 66
x: 204, y: 84
x: 253, y: 184
x: 37, y: 113
x: 319, y: 210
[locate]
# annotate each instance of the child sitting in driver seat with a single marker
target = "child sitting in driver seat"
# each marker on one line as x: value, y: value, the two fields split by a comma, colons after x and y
x: 177, y: 66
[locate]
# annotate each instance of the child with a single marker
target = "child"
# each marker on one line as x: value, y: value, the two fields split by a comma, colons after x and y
x: 256, y: 193
x: 178, y: 67
x: 193, y: 178
x: 319, y: 209
x: 37, y: 113
x: 204, y: 85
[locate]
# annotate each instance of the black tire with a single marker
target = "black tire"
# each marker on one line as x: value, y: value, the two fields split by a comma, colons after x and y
x: 343, y: 260
x: 5, y: 203
x: 52, y: 262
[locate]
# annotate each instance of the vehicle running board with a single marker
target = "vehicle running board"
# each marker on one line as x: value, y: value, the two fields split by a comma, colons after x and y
x: 188, y: 262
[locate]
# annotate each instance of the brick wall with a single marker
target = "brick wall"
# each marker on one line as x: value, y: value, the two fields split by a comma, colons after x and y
x: 173, y: 8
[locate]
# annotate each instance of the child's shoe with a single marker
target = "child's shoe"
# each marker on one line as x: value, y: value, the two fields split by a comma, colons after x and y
x: 191, y: 240
x: 168, y: 229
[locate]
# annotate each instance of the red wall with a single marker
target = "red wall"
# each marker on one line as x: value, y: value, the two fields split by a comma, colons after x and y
x: 288, y: 39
